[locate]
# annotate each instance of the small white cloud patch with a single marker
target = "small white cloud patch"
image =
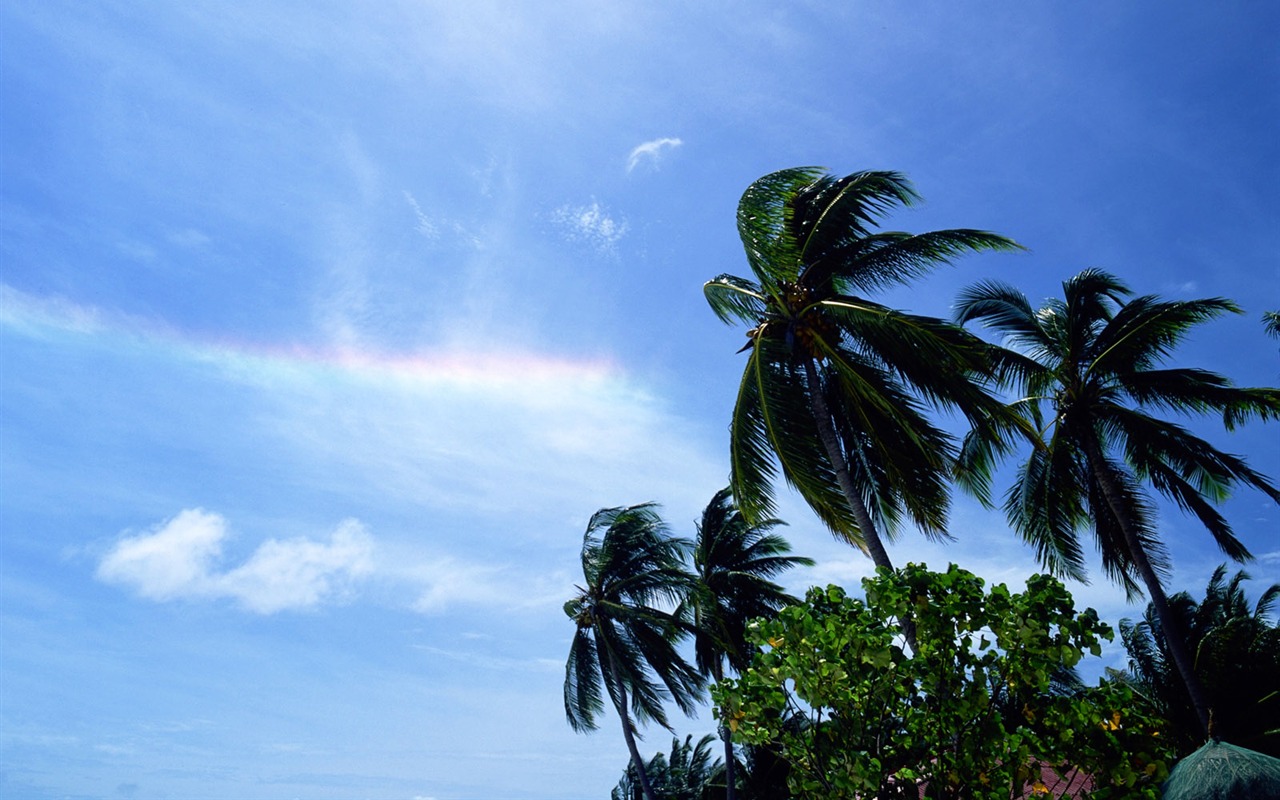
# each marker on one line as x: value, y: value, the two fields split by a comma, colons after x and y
x: 591, y: 224
x: 651, y: 151
x: 177, y: 559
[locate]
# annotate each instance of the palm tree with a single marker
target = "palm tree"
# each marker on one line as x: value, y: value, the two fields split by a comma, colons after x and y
x: 1271, y: 323
x: 733, y: 564
x: 624, y: 641
x: 1237, y: 659
x: 836, y: 386
x: 690, y: 773
x: 1093, y: 360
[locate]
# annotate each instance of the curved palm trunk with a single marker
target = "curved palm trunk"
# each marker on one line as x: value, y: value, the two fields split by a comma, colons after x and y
x: 1173, y: 637
x: 630, y: 736
x: 635, y: 752
x: 831, y: 443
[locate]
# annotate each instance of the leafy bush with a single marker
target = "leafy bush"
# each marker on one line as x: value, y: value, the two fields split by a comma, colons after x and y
x: 985, y: 708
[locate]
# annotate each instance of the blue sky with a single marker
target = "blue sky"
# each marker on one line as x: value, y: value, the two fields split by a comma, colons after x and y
x: 325, y: 327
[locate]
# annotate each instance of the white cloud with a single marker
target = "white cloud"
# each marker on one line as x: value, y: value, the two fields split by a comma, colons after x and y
x: 591, y: 224
x: 172, y: 561
x: 300, y: 573
x: 178, y: 558
x: 651, y: 151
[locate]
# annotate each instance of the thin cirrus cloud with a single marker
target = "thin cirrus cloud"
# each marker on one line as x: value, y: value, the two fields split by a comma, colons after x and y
x: 651, y: 152
x: 178, y: 560
x: 418, y: 427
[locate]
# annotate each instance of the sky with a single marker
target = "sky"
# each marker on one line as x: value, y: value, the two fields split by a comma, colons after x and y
x: 326, y: 326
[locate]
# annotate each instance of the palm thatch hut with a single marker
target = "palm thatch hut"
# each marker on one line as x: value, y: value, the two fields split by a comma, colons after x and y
x: 1222, y: 771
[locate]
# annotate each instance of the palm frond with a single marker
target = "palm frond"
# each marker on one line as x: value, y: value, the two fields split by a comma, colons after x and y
x: 1090, y: 299
x: 1144, y: 331
x: 752, y: 468
x: 1199, y: 391
x: 733, y: 562
x: 785, y: 421
x: 735, y: 299
x: 991, y: 439
x: 582, y: 698
x: 1000, y: 306
x: 1044, y: 505
x: 872, y: 262
x: 1134, y: 512
x: 891, y: 446
x: 764, y: 214
x: 829, y: 209
x: 1271, y: 323
x: 1151, y: 444
x: 656, y: 645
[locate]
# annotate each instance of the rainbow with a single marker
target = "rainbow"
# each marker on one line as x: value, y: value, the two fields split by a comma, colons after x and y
x: 33, y: 316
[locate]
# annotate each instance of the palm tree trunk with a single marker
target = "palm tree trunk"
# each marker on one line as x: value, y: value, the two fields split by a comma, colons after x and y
x: 1173, y: 637
x: 635, y: 754
x: 831, y: 442
x: 630, y: 736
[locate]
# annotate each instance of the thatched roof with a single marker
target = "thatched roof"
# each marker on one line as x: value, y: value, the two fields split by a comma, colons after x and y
x: 1221, y: 771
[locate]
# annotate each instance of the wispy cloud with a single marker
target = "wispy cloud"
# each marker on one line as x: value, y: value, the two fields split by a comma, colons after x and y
x: 425, y: 225
x: 484, y: 661
x: 419, y: 427
x: 651, y: 152
x: 34, y: 314
x: 178, y: 559
x: 591, y: 224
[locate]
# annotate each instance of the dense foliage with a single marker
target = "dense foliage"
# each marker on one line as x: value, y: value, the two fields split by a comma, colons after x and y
x: 975, y: 713
x: 1237, y: 659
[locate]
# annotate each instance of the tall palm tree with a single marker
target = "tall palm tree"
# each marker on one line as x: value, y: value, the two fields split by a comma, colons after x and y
x: 1092, y: 362
x: 734, y: 562
x: 836, y: 387
x: 1271, y: 323
x: 1237, y: 658
x: 625, y: 641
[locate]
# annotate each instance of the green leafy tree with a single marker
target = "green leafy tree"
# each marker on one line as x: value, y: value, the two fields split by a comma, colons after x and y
x: 689, y: 773
x: 734, y: 563
x: 625, y: 642
x: 1237, y: 659
x: 1089, y: 369
x: 837, y: 387
x: 880, y: 724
